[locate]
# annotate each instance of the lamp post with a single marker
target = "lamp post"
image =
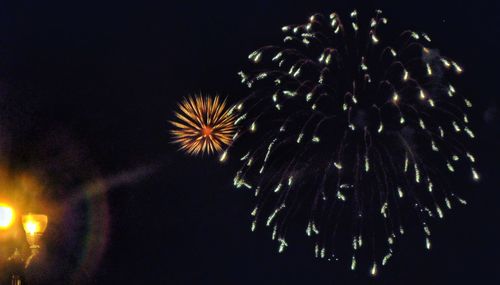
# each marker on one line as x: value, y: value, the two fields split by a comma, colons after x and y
x: 34, y: 226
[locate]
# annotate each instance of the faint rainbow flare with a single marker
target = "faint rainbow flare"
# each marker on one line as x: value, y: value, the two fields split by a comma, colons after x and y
x: 203, y: 125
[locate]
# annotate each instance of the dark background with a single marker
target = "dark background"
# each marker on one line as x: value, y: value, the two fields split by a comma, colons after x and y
x: 110, y: 74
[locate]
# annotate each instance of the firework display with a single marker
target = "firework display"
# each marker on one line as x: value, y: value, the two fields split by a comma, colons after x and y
x: 204, y: 125
x: 357, y: 130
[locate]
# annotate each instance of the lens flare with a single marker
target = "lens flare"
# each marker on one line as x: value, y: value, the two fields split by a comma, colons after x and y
x: 359, y: 133
x: 204, y: 125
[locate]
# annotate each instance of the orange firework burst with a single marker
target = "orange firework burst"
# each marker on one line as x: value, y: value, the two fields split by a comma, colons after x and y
x: 204, y: 125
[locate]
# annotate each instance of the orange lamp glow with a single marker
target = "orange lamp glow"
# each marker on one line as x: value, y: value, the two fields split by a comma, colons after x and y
x: 6, y: 216
x: 34, y: 226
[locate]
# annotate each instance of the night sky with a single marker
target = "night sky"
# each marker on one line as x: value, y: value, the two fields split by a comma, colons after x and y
x: 86, y: 92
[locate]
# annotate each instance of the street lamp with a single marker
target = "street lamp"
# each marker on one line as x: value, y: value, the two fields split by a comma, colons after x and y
x: 6, y: 216
x: 34, y: 226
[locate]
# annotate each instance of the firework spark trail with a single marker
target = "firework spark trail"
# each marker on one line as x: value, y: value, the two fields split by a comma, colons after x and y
x: 204, y: 125
x: 361, y: 125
